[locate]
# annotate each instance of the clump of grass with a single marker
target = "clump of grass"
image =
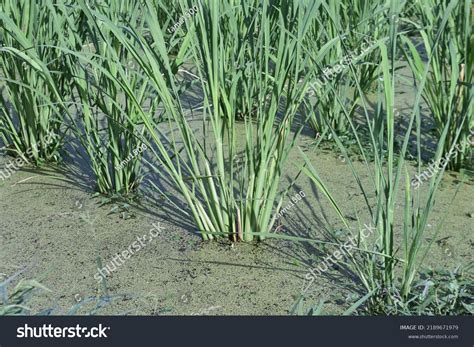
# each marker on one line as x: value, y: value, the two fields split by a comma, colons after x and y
x: 245, y: 185
x: 109, y: 126
x: 115, y: 93
x: 225, y: 197
x: 379, y: 260
x: 435, y: 293
x: 342, y: 52
x: 33, y: 89
x: 14, y: 302
x: 438, y: 292
x: 448, y: 91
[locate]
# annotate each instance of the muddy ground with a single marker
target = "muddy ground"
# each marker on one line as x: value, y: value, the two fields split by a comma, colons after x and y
x: 54, y: 230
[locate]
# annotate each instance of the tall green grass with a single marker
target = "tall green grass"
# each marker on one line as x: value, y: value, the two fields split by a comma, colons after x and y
x: 32, y: 85
x: 229, y: 190
x: 448, y: 91
x: 60, y: 67
x: 108, y: 125
x: 388, y: 265
x: 342, y: 53
x: 247, y: 173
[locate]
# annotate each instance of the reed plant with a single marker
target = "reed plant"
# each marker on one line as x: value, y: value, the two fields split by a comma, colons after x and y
x: 115, y: 92
x: 448, y: 92
x: 108, y: 123
x: 247, y: 183
x: 228, y: 192
x: 388, y: 265
x: 342, y: 52
x: 33, y: 88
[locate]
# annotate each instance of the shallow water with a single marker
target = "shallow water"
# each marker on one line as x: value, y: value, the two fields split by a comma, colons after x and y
x: 42, y: 228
